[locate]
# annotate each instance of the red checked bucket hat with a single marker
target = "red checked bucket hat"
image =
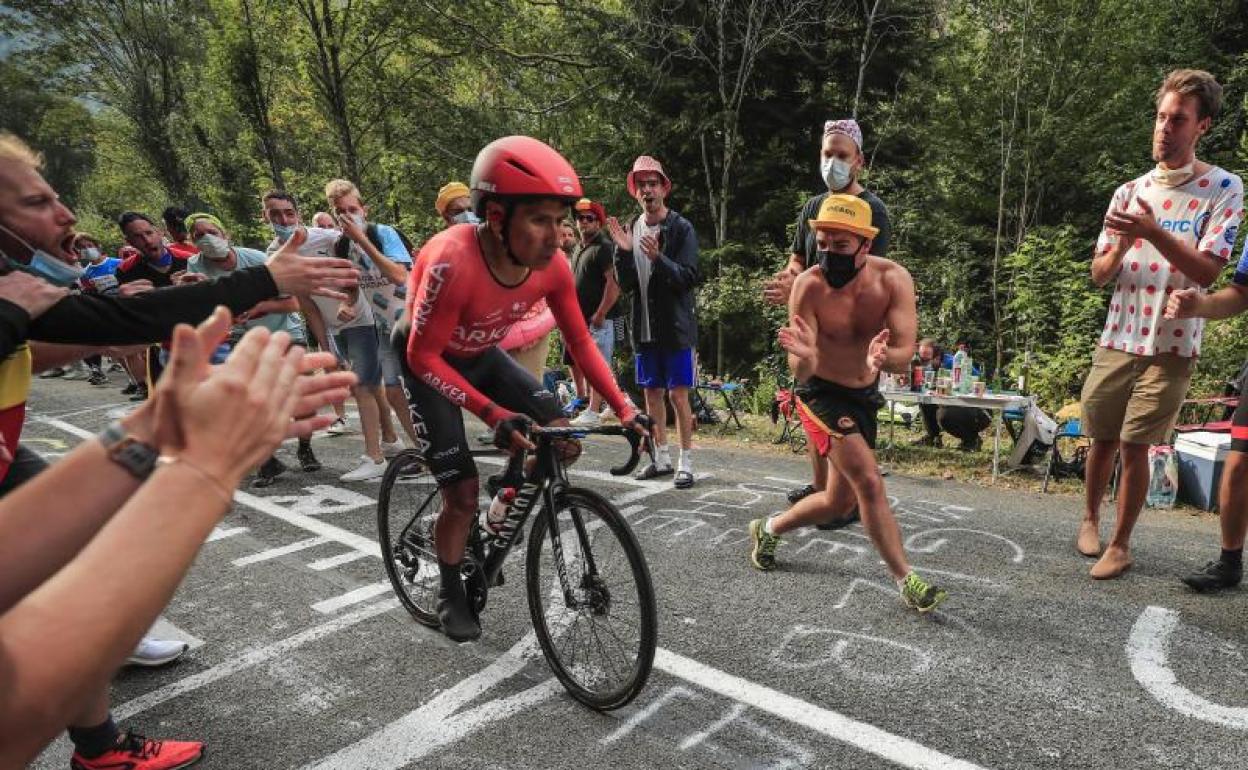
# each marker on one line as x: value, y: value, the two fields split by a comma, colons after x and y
x: 647, y: 163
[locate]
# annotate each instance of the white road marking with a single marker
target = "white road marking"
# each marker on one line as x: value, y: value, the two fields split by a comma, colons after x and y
x: 1146, y: 652
x: 861, y: 735
x: 355, y: 596
x: 220, y: 534
x: 439, y: 722
x: 273, y: 553
x: 334, y: 561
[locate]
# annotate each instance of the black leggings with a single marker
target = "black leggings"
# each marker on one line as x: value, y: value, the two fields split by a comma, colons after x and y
x: 439, y: 424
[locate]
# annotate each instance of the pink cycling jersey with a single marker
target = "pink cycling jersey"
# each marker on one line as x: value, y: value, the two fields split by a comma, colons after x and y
x: 457, y: 307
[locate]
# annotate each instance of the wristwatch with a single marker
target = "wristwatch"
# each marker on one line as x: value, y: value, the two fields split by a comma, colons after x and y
x: 127, y: 451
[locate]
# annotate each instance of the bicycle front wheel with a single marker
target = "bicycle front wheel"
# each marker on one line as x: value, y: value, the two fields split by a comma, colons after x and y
x: 596, y: 623
x: 407, y: 508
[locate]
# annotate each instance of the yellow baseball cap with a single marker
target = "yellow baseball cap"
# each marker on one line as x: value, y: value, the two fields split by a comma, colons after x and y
x: 450, y: 192
x: 845, y: 212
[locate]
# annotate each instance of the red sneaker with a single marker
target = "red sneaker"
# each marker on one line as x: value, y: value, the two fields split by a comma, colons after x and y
x: 134, y: 752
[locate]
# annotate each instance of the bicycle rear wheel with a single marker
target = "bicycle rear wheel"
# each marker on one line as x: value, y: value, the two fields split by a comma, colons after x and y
x: 600, y: 637
x: 407, y: 507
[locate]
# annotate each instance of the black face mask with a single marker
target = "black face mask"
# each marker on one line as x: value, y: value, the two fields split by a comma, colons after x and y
x: 838, y: 269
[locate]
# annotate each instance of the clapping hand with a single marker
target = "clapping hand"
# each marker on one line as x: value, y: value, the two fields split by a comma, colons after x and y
x: 877, y: 352
x: 798, y: 338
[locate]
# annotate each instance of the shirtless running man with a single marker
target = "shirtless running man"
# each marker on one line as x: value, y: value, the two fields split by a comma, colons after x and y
x: 851, y: 316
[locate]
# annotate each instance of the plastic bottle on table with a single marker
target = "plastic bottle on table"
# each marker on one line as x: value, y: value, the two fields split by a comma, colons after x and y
x: 960, y: 373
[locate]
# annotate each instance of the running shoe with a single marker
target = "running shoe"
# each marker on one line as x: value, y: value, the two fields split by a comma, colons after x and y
x: 392, y: 448
x: 130, y: 389
x: 919, y: 595
x: 97, y: 378
x: 140, y: 393
x: 134, y: 752
x: 153, y: 652
x: 338, y: 427
x: 799, y: 493
x: 367, y: 470
x: 762, y: 546
x: 51, y: 373
x: 586, y: 419
x: 1215, y: 575
x: 268, y: 473
x: 307, y: 460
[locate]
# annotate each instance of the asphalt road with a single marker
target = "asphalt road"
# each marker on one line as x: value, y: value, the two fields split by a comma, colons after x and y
x: 302, y: 657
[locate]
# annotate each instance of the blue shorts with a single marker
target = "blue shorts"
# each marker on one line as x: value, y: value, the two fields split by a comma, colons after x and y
x: 391, y: 371
x: 361, y: 348
x: 658, y: 368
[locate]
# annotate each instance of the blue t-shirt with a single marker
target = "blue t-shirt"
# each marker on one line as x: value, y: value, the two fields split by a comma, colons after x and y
x: 101, y: 278
x: 387, y: 299
x: 1241, y: 269
x: 274, y: 322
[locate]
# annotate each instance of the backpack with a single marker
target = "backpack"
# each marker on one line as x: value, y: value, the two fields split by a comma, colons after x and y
x: 342, y: 247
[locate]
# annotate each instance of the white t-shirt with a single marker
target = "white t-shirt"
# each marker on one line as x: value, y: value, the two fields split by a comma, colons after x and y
x: 1204, y: 213
x: 640, y: 229
x: 320, y: 243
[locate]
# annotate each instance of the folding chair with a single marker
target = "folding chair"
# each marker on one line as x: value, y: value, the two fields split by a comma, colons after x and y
x: 729, y: 392
x: 1077, y: 451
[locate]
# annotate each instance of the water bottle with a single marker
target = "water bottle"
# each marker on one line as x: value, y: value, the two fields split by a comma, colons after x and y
x: 959, y: 371
x: 1162, y: 474
x: 929, y: 377
x: 499, y: 507
x: 916, y: 373
x: 968, y: 373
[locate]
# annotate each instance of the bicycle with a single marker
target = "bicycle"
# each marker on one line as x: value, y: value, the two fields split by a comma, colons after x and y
x: 568, y: 566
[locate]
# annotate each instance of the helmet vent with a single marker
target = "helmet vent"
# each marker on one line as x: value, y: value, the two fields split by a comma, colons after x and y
x: 520, y: 167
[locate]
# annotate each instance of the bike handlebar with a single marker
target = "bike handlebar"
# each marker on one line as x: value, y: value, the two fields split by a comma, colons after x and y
x: 636, y: 442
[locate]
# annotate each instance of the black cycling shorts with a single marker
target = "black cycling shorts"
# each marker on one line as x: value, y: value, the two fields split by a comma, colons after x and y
x: 439, y: 424
x: 1239, y: 420
x: 829, y: 410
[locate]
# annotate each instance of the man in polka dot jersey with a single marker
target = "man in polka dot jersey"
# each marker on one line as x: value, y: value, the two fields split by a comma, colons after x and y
x: 1169, y: 230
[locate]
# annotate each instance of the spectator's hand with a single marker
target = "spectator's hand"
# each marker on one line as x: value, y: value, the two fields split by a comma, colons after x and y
x: 183, y: 278
x: 1184, y: 303
x: 135, y: 288
x: 877, y: 352
x: 650, y: 247
x: 617, y: 233
x: 1140, y: 225
x: 350, y: 229
x: 346, y: 312
x: 777, y: 290
x: 304, y: 276
x: 34, y: 295
x: 798, y: 338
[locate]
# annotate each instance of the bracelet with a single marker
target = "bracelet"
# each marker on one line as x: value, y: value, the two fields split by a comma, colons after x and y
x: 226, y: 495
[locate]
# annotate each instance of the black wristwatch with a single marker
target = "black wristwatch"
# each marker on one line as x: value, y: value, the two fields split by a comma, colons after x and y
x: 127, y: 451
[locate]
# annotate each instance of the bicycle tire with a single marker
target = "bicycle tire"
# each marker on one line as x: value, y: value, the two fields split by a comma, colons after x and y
x: 596, y: 590
x: 409, y: 502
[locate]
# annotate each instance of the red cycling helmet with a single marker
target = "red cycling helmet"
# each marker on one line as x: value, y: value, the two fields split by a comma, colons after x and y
x: 521, y: 167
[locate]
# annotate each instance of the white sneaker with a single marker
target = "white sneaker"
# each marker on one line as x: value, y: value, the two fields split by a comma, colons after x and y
x: 366, y: 471
x: 586, y: 419
x: 339, y: 427
x: 392, y: 448
x: 606, y: 412
x: 153, y: 652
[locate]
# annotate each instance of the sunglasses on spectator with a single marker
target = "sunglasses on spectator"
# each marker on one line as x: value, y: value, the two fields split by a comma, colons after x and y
x: 586, y: 218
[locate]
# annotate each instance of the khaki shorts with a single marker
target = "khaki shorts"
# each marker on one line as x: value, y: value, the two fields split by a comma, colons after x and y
x: 1134, y: 398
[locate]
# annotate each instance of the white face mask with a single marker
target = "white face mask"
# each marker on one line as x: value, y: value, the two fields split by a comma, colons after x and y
x: 1174, y: 177
x: 836, y: 173
x: 213, y: 247
x: 90, y: 253
x: 359, y: 220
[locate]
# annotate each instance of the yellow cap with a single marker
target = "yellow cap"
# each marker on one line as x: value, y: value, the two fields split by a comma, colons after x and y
x: 450, y: 192
x: 845, y: 212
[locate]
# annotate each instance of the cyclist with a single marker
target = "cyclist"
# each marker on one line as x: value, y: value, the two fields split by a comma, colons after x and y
x: 470, y: 284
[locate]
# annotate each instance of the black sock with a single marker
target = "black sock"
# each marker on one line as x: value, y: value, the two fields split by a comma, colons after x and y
x: 305, y: 443
x: 1233, y: 558
x: 451, y: 579
x: 92, y: 742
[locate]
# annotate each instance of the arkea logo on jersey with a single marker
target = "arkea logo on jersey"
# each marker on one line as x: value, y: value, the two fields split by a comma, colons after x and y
x: 437, y: 279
